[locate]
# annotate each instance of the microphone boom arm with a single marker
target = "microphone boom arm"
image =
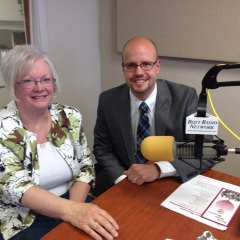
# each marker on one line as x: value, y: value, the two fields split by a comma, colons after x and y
x: 210, y: 81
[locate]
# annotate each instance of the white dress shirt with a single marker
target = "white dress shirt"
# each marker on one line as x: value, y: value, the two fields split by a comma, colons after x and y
x: 166, y: 169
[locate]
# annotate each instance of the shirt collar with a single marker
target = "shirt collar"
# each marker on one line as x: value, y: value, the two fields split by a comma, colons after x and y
x: 150, y: 101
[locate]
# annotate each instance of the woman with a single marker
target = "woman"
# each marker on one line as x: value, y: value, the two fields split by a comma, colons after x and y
x: 44, y: 158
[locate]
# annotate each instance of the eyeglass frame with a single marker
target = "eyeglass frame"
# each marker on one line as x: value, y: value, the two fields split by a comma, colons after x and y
x: 139, y: 65
x: 35, y: 82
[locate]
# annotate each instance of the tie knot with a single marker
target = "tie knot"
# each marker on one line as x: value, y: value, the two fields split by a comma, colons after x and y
x: 143, y: 108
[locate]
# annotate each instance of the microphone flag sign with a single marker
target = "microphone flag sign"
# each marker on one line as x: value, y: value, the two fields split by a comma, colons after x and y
x: 202, y: 125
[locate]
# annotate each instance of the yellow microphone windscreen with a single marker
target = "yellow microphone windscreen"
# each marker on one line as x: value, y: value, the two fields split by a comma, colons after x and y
x: 158, y: 148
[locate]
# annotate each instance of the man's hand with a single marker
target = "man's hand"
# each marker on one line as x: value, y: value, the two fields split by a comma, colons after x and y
x: 141, y: 173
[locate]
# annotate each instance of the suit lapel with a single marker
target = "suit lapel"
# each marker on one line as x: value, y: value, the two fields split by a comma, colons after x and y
x: 163, y: 103
x: 125, y: 124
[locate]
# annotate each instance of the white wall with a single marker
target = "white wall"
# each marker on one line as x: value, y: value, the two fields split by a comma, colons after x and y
x: 73, y: 33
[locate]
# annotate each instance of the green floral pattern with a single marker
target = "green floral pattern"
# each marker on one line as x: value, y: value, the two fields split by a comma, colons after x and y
x: 19, y: 165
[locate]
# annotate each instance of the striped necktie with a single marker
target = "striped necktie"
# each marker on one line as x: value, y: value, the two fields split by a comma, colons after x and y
x: 143, y: 131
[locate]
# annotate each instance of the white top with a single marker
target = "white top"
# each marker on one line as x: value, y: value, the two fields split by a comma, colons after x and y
x: 54, y: 171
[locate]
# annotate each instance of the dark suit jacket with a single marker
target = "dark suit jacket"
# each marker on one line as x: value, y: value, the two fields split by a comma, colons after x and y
x: 113, y: 141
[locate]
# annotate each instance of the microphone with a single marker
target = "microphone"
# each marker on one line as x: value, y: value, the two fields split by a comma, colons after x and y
x: 164, y: 148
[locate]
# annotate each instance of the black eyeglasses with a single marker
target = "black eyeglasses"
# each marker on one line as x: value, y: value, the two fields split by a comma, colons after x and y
x: 145, y: 66
x: 31, y: 83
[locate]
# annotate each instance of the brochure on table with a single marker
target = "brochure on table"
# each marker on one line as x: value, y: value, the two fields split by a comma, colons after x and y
x: 206, y: 200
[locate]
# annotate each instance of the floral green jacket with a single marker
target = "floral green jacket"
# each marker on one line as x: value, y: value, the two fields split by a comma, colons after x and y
x: 19, y: 165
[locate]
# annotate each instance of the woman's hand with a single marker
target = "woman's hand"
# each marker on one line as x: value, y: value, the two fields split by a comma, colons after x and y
x: 88, y: 217
x: 91, y: 219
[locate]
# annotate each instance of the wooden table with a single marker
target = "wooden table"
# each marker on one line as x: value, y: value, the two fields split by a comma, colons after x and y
x: 140, y: 217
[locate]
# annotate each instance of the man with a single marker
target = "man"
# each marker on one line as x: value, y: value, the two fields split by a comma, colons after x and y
x: 116, y: 129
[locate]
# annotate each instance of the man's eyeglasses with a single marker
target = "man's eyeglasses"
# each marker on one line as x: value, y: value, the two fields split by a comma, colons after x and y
x: 31, y: 83
x: 145, y: 66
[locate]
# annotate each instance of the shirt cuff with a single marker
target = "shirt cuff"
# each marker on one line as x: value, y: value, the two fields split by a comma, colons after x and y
x: 119, y: 179
x: 167, y: 169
